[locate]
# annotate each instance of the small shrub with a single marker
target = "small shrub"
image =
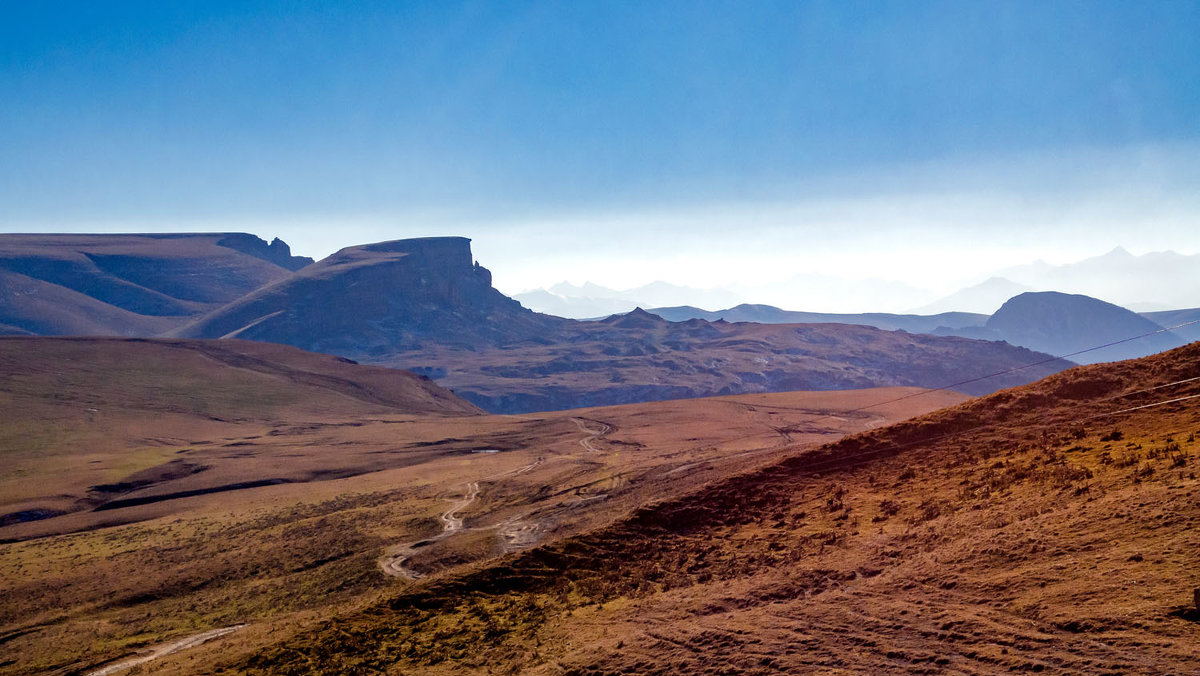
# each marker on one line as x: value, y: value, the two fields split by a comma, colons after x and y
x: 1127, y: 459
x: 887, y: 509
x: 1115, y: 435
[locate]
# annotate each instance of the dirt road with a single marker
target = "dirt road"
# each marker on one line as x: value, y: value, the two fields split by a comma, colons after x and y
x: 392, y: 563
x: 592, y: 435
x: 166, y: 649
x: 516, y: 533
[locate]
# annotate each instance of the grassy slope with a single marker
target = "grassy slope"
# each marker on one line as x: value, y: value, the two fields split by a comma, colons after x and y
x: 84, y: 412
x: 1013, y: 532
x: 284, y: 556
x: 121, y: 284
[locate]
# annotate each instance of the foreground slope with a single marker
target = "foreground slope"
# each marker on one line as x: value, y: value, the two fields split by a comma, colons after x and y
x: 241, y: 491
x: 1047, y: 528
x: 128, y: 285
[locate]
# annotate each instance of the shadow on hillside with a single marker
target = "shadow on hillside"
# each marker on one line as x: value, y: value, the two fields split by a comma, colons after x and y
x: 1189, y: 614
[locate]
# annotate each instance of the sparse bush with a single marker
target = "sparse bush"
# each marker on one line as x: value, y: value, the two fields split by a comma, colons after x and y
x: 1115, y: 435
x: 927, y: 511
x: 1168, y: 449
x: 887, y: 509
x: 1066, y: 475
x: 1180, y: 458
x: 1127, y: 459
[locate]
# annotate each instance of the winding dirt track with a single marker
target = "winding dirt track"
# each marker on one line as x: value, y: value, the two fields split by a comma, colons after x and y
x: 592, y: 435
x: 392, y: 563
x: 516, y: 532
x: 166, y: 649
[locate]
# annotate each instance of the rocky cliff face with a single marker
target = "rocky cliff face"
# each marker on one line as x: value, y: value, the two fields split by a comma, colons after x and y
x: 277, y: 252
x: 377, y: 299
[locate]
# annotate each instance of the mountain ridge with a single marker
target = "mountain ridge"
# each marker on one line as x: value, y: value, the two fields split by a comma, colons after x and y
x: 130, y: 284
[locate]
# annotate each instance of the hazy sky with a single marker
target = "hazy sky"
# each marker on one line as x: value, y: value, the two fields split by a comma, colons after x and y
x: 703, y: 143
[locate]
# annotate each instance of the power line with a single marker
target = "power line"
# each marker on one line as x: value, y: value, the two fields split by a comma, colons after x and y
x: 1012, y: 370
x: 1151, y: 389
x: 844, y: 458
x: 1138, y: 408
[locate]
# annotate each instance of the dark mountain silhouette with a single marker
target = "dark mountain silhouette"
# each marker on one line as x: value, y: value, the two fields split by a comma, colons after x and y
x: 129, y: 285
x: 375, y: 300
x: 1062, y: 324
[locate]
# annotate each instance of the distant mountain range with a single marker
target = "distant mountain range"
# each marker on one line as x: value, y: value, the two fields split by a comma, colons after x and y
x: 590, y: 301
x: 1064, y: 324
x: 985, y: 297
x: 767, y: 314
x: 426, y: 305
x: 1151, y: 282
x: 1051, y: 322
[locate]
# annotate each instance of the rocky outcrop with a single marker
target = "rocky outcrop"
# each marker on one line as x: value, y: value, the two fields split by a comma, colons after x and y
x: 378, y: 299
x: 277, y: 252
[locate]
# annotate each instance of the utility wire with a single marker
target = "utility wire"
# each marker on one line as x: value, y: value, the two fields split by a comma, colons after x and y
x: 840, y: 460
x: 1011, y: 370
x: 853, y: 458
x: 1138, y: 408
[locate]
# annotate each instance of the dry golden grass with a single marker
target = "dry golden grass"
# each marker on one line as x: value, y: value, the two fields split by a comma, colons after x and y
x: 1017, y: 532
x: 89, y: 587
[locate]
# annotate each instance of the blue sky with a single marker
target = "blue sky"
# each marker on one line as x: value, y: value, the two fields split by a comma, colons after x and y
x: 562, y: 136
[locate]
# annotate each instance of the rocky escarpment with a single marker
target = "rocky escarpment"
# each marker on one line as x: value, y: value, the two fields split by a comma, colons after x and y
x: 277, y: 252
x: 378, y: 299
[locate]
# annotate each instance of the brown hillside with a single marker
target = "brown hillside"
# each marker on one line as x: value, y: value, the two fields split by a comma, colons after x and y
x: 129, y: 285
x: 112, y: 418
x: 425, y: 305
x: 1047, y: 528
x: 642, y: 357
x: 288, y: 510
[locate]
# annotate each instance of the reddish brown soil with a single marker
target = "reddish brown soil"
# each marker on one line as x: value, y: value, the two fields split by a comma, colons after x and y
x: 176, y: 524
x: 1049, y: 528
